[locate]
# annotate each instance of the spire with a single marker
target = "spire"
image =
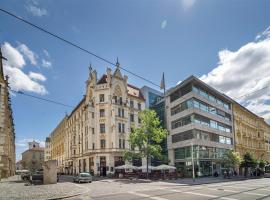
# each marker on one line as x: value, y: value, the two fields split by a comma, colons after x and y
x: 117, y: 63
x: 90, y: 68
x: 117, y: 72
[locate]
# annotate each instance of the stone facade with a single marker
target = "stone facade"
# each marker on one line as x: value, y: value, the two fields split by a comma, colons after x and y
x: 251, y: 133
x: 96, y: 132
x: 47, y: 153
x: 7, y: 134
x: 57, y: 147
x: 33, y: 158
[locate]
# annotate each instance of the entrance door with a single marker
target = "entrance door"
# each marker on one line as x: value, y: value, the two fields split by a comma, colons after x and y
x: 103, y: 169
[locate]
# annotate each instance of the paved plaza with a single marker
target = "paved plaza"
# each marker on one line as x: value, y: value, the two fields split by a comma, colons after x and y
x: 114, y: 189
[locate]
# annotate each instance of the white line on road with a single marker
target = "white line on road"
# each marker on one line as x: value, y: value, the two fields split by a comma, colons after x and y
x: 225, y: 190
x: 148, y: 196
x: 240, y: 187
x: 253, y: 193
x: 263, y: 189
x: 209, y: 195
x: 199, y: 194
x: 172, y: 190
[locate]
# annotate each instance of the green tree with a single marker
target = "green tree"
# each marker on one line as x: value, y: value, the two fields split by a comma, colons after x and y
x: 248, y: 161
x: 230, y: 159
x: 146, y: 139
x: 262, y: 164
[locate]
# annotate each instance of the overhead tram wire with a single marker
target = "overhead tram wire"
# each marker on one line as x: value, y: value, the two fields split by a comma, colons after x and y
x: 40, y: 98
x: 76, y: 46
x: 90, y: 53
x: 255, y: 91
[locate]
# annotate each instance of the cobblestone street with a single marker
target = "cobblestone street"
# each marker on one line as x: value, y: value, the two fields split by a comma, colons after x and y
x: 120, y: 189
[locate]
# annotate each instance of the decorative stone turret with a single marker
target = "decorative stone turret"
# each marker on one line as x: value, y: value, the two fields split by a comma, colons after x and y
x: 109, y: 74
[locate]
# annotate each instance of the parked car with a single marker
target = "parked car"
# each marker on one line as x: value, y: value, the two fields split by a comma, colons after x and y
x: 25, y: 175
x: 83, y: 177
x: 37, y: 176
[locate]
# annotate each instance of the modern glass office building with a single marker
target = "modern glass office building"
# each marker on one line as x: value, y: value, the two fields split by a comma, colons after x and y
x: 200, y: 118
x: 155, y: 100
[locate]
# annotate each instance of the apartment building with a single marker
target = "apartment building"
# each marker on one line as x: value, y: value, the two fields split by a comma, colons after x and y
x: 199, y: 119
x: 57, y: 146
x: 47, y: 153
x: 7, y: 133
x: 250, y: 132
x: 96, y: 132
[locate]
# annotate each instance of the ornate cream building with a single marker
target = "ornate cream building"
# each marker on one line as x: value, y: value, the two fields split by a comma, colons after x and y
x: 7, y: 134
x: 95, y: 135
x: 252, y: 133
x: 57, y: 141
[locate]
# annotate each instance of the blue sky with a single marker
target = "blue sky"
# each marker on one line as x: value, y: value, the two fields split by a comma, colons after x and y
x: 207, y: 38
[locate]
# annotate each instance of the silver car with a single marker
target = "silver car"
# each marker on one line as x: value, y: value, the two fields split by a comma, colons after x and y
x: 83, y: 178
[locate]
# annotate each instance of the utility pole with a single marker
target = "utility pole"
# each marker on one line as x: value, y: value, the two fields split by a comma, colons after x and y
x: 192, y: 160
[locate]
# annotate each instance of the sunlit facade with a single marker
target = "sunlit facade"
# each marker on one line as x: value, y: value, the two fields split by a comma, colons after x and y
x: 251, y: 133
x: 7, y: 133
x: 198, y: 117
x: 94, y: 136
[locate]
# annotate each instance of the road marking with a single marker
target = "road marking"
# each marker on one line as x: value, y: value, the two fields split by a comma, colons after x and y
x: 148, y: 196
x: 240, y: 187
x: 172, y: 190
x: 253, y: 193
x: 264, y: 189
x: 225, y: 190
x: 228, y: 198
x: 199, y: 194
x: 209, y: 195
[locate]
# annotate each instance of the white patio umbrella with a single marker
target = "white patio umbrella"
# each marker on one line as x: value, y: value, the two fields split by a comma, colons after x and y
x: 126, y: 167
x: 144, y: 167
x: 165, y: 167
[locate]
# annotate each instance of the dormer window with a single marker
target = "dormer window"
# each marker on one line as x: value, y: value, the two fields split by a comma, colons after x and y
x: 101, y: 98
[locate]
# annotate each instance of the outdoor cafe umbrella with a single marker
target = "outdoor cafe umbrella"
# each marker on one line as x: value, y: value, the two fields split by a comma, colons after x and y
x: 144, y: 167
x: 165, y: 167
x: 126, y: 167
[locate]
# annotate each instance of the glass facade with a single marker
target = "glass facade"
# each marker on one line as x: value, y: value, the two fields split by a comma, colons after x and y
x: 198, y: 119
x: 201, y: 135
x: 194, y: 103
x: 210, y: 97
x: 199, y: 152
x: 204, y: 160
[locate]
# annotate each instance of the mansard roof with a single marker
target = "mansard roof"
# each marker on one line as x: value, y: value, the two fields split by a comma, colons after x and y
x: 103, y: 79
x: 138, y: 94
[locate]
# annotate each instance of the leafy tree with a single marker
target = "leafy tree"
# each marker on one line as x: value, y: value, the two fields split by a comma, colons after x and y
x: 248, y: 161
x: 230, y: 159
x: 262, y: 164
x: 146, y: 139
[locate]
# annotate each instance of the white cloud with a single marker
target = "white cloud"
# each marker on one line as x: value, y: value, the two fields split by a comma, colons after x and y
x: 13, y: 55
x: 163, y: 24
x: 17, y: 78
x: 37, y: 76
x: 46, y: 53
x: 187, y: 4
x: 46, y: 63
x: 36, y: 11
x: 242, y: 72
x: 263, y: 35
x: 30, y: 55
x: 20, y: 81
